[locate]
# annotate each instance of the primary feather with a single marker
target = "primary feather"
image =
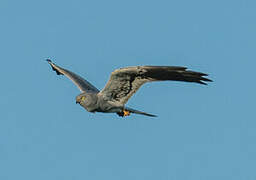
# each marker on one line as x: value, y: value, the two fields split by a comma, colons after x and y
x: 82, y: 84
x: 124, y: 82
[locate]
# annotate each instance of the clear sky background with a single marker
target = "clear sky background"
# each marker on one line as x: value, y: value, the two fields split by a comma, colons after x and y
x: 201, y: 132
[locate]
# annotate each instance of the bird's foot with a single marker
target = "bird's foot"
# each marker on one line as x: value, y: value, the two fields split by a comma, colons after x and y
x: 124, y: 113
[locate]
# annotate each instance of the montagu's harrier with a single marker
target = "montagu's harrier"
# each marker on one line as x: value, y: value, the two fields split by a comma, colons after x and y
x: 123, y: 83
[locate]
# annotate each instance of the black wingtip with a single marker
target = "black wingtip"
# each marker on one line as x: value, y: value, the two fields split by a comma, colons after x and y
x: 48, y: 60
x: 205, y: 79
x: 54, y: 67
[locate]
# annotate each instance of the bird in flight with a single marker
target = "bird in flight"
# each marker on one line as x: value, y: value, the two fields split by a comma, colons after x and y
x: 123, y: 83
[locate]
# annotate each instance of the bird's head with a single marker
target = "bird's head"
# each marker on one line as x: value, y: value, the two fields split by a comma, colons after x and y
x: 87, y: 100
x: 81, y: 98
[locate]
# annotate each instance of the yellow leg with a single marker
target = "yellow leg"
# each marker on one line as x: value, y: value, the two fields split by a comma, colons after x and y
x: 126, y: 113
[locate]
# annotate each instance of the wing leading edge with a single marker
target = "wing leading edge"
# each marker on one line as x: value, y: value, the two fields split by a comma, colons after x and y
x: 82, y: 84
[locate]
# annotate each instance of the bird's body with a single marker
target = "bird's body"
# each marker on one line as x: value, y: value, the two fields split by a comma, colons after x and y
x: 94, y: 102
x: 123, y: 84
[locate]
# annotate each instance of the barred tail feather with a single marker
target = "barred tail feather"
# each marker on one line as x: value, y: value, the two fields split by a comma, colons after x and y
x: 139, y: 112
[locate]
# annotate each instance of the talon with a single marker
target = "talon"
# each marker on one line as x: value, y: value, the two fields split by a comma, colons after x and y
x: 126, y: 113
x: 123, y: 113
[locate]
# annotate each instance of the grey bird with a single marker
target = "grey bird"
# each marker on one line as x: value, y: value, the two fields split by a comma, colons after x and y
x: 123, y: 83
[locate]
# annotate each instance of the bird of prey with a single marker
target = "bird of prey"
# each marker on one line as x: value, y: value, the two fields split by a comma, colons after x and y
x: 123, y: 83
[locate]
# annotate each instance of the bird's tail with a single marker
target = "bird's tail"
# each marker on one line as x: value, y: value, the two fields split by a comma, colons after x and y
x: 139, y: 112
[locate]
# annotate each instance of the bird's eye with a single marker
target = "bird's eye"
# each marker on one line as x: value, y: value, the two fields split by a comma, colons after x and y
x: 83, y: 98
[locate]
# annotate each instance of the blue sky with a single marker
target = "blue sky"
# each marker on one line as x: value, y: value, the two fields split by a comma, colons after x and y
x: 201, y: 132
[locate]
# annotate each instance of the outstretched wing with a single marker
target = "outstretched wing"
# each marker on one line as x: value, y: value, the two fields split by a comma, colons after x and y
x: 124, y: 82
x: 81, y: 83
